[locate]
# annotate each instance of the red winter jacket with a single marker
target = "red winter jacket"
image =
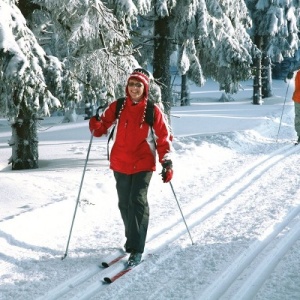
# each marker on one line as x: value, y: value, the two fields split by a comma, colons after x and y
x: 296, y: 94
x: 135, y: 146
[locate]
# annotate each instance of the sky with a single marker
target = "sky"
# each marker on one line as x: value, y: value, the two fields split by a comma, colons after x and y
x: 236, y: 181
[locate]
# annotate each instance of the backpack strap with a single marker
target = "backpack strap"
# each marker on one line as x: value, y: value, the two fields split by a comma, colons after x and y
x: 149, y: 116
x: 120, y: 102
x: 108, y: 140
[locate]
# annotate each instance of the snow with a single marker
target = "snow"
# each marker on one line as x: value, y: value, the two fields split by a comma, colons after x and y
x: 8, y: 43
x: 236, y: 180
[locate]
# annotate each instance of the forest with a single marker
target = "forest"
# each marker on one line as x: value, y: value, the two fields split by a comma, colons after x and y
x: 71, y: 56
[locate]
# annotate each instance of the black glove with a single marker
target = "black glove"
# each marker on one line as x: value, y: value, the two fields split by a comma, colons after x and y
x: 97, y: 116
x: 290, y: 75
x: 167, y: 171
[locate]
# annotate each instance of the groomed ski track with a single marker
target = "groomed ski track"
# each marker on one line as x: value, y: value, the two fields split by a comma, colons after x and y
x: 242, y: 273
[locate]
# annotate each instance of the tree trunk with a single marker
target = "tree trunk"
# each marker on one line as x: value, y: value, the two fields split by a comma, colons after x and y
x: 184, y: 98
x: 161, y: 61
x: 24, y: 143
x: 257, y: 94
x: 266, y: 72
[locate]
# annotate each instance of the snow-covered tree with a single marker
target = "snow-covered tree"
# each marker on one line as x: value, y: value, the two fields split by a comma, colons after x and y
x: 22, y: 84
x: 275, y: 31
x: 210, y: 38
x: 77, y: 36
x: 87, y: 38
x: 225, y: 50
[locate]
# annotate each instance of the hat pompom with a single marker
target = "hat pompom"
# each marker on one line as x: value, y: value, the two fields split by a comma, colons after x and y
x: 143, y: 71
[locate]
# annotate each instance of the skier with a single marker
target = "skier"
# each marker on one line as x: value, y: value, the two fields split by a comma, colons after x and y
x: 296, y: 99
x: 133, y: 156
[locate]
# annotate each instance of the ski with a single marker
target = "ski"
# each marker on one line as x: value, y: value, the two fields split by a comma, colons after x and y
x: 113, y: 278
x: 113, y: 261
x: 121, y: 269
x: 117, y: 276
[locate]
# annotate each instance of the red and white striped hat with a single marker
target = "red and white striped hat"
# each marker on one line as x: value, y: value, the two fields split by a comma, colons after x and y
x: 143, y: 76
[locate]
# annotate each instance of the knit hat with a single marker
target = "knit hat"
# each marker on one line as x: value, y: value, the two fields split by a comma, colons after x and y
x: 143, y: 76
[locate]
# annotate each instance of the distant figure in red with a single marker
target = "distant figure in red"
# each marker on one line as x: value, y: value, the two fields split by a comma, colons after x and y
x: 296, y: 98
x: 133, y: 157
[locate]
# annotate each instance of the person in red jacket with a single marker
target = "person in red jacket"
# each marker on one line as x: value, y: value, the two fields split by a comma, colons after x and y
x: 296, y: 98
x: 133, y: 157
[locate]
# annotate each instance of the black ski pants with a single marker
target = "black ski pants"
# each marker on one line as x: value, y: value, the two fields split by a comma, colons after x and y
x: 133, y: 204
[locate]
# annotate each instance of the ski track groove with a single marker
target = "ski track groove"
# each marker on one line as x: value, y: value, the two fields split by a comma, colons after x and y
x: 82, y: 277
x: 253, y: 283
x: 195, y: 216
x: 226, y: 279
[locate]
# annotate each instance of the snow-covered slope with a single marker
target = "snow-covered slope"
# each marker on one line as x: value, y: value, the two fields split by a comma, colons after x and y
x: 236, y: 179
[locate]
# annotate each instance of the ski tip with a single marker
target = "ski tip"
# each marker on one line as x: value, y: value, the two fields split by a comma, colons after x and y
x: 107, y: 280
x: 105, y: 265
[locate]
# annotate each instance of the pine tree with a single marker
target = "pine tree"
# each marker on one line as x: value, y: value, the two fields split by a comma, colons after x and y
x: 23, y: 87
x: 275, y: 32
x: 226, y: 51
x: 210, y: 38
x: 88, y: 39
x: 76, y: 36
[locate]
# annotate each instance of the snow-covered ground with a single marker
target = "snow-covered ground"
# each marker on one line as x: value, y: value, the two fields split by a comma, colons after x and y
x: 236, y: 180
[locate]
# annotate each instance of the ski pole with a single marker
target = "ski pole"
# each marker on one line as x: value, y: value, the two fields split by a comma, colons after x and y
x: 283, y: 110
x: 78, y: 197
x: 181, y: 212
x: 80, y: 187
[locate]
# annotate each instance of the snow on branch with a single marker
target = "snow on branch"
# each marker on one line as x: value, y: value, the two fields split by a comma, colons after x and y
x: 22, y: 62
x: 15, y: 61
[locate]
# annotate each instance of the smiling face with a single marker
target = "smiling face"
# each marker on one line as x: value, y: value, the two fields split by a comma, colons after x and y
x: 135, y: 89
